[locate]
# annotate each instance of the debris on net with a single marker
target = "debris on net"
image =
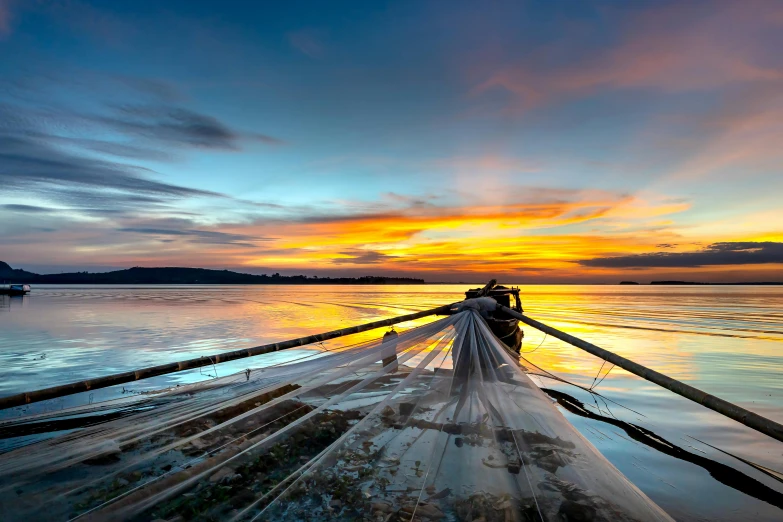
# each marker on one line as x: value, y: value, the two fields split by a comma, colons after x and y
x: 449, y: 429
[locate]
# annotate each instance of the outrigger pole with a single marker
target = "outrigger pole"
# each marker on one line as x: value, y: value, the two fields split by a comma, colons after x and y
x: 725, y: 408
x: 121, y: 378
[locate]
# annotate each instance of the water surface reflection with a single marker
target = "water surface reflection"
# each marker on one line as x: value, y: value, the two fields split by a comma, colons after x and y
x: 725, y: 340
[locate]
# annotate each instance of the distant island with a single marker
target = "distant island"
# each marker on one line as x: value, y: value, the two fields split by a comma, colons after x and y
x: 187, y: 276
x: 697, y: 283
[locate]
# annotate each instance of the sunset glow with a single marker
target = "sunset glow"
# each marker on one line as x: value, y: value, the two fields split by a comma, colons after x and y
x: 533, y: 143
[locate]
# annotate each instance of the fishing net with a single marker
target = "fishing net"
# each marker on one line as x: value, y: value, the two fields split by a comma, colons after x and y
x: 437, y: 423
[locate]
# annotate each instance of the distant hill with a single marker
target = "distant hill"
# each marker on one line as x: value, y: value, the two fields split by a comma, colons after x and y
x: 190, y: 276
x: 12, y: 275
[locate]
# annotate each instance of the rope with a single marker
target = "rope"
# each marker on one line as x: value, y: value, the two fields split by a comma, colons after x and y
x: 539, y: 345
x: 597, y: 374
x: 552, y: 376
x: 602, y: 378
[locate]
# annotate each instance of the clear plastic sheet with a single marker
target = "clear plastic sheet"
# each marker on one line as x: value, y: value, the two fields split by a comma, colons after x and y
x: 449, y: 428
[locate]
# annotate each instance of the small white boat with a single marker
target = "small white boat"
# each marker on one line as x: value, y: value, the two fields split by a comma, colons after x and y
x: 15, y: 289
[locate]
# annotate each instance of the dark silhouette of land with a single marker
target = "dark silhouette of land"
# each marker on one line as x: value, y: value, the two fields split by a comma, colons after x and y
x: 205, y: 276
x: 188, y: 276
x: 696, y: 283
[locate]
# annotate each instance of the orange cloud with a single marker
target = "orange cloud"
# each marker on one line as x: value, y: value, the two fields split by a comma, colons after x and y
x: 540, y: 235
x: 503, y: 238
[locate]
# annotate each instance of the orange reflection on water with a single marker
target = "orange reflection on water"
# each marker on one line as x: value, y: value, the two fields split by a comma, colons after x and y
x: 691, y: 333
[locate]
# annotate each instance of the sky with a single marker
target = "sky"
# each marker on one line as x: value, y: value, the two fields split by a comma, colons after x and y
x: 535, y: 142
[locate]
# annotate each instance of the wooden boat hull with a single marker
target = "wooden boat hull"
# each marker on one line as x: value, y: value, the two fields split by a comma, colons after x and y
x: 508, y: 331
x: 505, y: 327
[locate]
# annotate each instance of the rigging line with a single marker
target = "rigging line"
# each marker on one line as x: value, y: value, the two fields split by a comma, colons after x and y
x: 602, y: 378
x: 767, y: 471
x: 565, y: 381
x: 597, y: 406
x: 539, y: 345
x: 201, y: 371
x: 607, y: 406
x: 597, y: 374
x: 551, y: 375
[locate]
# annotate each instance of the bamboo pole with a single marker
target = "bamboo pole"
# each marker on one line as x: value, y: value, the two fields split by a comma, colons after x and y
x: 489, y: 286
x: 739, y: 414
x: 162, y: 369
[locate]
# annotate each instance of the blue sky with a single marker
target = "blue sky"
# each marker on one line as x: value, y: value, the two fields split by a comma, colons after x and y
x: 520, y: 138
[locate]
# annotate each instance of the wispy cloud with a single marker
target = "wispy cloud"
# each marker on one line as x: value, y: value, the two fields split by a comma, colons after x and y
x: 28, y: 209
x: 360, y: 257
x: 728, y: 253
x: 178, y: 126
x: 110, y: 148
x: 50, y: 153
x: 307, y: 41
x: 743, y: 133
x: 672, y: 48
x: 128, y: 117
x: 209, y: 237
x: 159, y: 89
x: 30, y: 165
x: 485, y: 164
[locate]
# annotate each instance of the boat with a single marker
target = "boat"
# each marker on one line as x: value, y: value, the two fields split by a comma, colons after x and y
x: 14, y: 289
x: 505, y: 327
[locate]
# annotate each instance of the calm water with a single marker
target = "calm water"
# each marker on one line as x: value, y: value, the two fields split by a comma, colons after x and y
x: 725, y: 340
